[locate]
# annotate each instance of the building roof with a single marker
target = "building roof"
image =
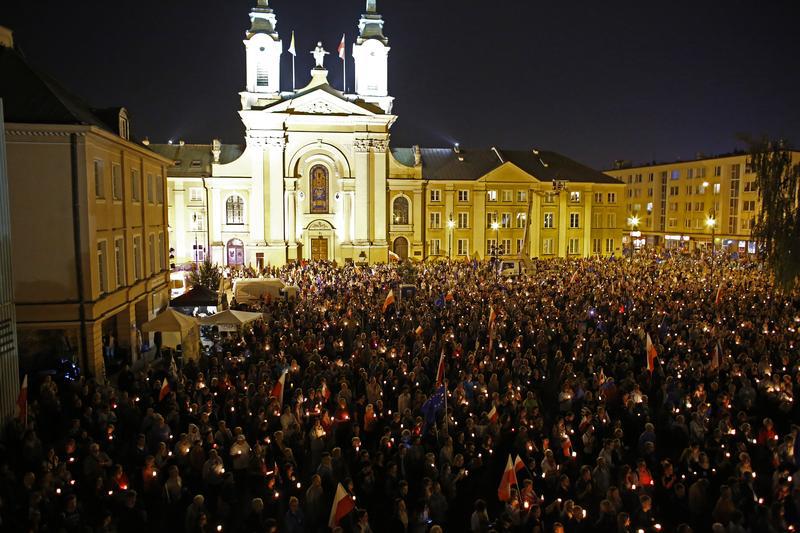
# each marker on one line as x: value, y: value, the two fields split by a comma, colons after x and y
x: 31, y: 97
x: 699, y: 158
x: 195, y: 159
x: 471, y: 164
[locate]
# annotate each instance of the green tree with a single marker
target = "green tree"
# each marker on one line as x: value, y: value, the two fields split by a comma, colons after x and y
x: 777, y: 228
x: 207, y: 276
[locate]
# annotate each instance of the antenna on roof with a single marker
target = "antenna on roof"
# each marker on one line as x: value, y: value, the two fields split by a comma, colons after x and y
x: 497, y: 153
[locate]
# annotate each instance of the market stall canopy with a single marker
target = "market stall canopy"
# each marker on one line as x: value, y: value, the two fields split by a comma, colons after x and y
x: 171, y: 320
x: 197, y: 296
x: 231, y: 318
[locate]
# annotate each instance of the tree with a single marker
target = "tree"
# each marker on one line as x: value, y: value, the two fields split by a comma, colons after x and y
x: 777, y: 228
x: 208, y: 276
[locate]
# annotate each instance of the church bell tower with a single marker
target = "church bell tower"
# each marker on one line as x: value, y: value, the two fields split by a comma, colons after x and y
x: 371, y: 55
x: 263, y: 48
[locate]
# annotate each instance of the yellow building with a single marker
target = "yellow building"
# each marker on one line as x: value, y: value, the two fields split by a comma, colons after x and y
x: 682, y: 203
x: 88, y: 221
x: 317, y: 178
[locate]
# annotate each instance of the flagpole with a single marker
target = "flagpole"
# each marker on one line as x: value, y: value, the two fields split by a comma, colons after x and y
x: 294, y: 86
x: 344, y: 68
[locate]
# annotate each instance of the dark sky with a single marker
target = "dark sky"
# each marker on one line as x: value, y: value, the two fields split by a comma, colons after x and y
x: 597, y: 81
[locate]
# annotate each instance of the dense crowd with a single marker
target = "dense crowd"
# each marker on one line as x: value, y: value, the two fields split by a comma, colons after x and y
x: 703, y: 440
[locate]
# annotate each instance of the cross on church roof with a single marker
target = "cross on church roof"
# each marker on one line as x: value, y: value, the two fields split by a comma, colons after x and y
x: 371, y: 7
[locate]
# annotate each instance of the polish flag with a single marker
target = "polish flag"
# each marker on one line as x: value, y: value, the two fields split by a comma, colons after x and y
x: 343, y: 504
x: 419, y: 330
x: 493, y: 415
x: 326, y: 392
x: 164, y: 390
x: 574, y: 277
x: 389, y: 300
x: 393, y: 256
x: 720, y: 294
x: 509, y: 478
x: 22, y: 401
x: 519, y: 464
x: 440, y: 371
x: 341, y: 48
x: 277, y: 390
x: 716, y: 356
x: 651, y: 354
x: 492, y: 319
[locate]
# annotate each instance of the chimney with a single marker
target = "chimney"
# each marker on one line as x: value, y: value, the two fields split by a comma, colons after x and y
x: 6, y: 37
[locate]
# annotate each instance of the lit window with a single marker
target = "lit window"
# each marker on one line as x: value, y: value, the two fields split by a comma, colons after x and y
x: 491, y: 196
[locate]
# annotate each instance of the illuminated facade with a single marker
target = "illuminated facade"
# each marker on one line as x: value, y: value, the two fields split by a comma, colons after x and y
x: 89, y: 255
x: 680, y: 204
x: 318, y: 179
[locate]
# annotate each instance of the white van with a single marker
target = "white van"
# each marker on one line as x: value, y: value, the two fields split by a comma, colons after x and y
x: 178, y: 283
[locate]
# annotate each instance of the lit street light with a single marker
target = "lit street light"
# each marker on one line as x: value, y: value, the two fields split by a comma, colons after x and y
x: 450, y: 225
x: 711, y: 223
x: 496, y: 228
x: 633, y: 222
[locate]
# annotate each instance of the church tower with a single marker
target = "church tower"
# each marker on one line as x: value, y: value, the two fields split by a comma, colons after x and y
x: 263, y: 48
x: 371, y: 55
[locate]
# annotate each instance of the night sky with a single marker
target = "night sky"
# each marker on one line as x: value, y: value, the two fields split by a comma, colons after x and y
x: 597, y: 81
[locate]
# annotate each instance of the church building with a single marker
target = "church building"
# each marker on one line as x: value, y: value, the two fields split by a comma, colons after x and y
x: 317, y: 178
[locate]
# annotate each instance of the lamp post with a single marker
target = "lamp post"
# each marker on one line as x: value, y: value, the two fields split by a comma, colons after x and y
x: 711, y: 222
x: 633, y: 222
x: 196, y: 255
x: 450, y: 225
x: 496, y: 228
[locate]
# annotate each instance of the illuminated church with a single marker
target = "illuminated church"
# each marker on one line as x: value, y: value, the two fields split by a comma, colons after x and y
x: 317, y: 178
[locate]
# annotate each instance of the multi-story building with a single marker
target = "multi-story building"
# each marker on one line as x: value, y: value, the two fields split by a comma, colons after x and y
x: 318, y: 179
x: 9, y: 366
x: 683, y: 203
x: 88, y: 221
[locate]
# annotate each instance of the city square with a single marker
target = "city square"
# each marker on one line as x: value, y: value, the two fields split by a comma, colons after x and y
x: 318, y: 327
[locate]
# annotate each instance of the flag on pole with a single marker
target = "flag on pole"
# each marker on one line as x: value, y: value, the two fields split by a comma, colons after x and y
x: 493, y: 414
x: 574, y: 277
x: 389, y: 300
x: 393, y: 256
x: 343, y: 504
x: 719, y: 296
x: 519, y: 464
x: 292, y: 49
x: 440, y: 371
x: 509, y: 478
x: 326, y: 392
x: 341, y: 48
x: 492, y: 319
x: 716, y: 355
x: 22, y: 401
x: 164, y: 390
x: 651, y: 354
x: 419, y: 330
x: 277, y: 390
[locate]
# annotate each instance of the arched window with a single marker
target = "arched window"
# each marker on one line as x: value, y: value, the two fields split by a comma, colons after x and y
x: 234, y: 210
x: 400, y: 210
x: 319, y: 189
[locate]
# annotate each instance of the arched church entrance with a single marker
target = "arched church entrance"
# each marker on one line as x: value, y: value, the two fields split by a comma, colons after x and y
x: 400, y: 247
x: 319, y: 237
x: 235, y: 252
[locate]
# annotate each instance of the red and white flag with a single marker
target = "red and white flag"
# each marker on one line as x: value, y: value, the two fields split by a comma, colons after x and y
x: 341, y: 48
x: 277, y: 390
x: 164, y: 390
x: 326, y: 392
x: 574, y: 277
x: 509, y: 478
x: 716, y: 356
x: 389, y: 300
x: 343, y: 504
x: 394, y: 257
x: 492, y: 319
x: 494, y: 415
x: 719, y: 296
x: 440, y: 371
x: 419, y: 330
x: 651, y: 354
x: 519, y: 464
x: 22, y: 401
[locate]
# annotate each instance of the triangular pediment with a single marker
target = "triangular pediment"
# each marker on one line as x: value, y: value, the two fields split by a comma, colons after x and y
x: 323, y: 100
x: 508, y: 172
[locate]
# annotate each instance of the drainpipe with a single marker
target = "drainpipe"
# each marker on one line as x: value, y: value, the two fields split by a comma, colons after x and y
x: 76, y: 236
x: 208, y: 220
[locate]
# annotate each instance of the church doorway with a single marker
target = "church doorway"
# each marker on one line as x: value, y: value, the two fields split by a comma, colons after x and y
x: 235, y: 249
x: 319, y: 249
x: 401, y: 247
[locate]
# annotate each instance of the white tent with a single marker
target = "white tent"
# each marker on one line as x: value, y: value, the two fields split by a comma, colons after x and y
x: 176, y: 328
x: 231, y: 318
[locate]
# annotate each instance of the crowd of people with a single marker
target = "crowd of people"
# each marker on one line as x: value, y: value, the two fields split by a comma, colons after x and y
x: 653, y: 394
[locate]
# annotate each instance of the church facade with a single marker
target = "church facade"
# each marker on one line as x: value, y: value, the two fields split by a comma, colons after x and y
x: 317, y: 178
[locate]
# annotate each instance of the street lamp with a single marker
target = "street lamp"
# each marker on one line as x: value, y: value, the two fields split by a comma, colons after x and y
x: 711, y: 223
x: 633, y: 222
x: 450, y: 225
x: 496, y: 228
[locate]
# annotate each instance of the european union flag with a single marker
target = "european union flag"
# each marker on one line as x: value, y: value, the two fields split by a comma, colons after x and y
x: 439, y: 301
x: 432, y: 406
